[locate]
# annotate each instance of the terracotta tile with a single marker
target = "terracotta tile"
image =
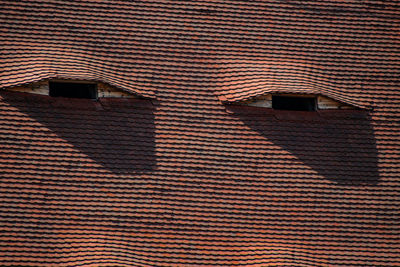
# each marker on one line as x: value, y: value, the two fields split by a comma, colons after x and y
x: 181, y: 176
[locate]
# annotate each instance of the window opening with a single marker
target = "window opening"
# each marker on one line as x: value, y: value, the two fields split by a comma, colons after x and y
x: 73, y: 90
x: 293, y: 103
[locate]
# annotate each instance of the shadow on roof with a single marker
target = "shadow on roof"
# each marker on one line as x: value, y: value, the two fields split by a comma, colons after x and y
x: 115, y: 133
x: 340, y: 145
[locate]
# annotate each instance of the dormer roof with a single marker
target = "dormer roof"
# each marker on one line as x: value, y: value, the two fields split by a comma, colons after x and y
x: 243, y: 80
x: 25, y: 73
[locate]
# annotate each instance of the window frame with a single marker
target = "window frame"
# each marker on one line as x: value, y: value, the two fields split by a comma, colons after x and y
x: 292, y: 98
x: 94, y: 84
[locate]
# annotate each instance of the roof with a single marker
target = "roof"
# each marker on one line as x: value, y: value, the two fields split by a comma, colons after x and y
x: 34, y: 68
x: 180, y: 178
x: 242, y: 80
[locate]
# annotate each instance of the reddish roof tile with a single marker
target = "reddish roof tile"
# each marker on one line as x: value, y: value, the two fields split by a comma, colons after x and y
x: 183, y: 179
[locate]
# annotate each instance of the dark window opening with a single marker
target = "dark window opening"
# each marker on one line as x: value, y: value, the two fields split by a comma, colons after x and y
x: 73, y: 90
x: 293, y: 103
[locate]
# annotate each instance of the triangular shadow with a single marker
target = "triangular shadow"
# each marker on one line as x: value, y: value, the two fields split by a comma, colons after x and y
x: 338, y: 144
x: 115, y: 133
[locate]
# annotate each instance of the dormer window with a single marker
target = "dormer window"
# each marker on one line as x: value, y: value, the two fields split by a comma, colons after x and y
x: 84, y: 89
x: 73, y: 90
x: 281, y: 85
x: 296, y: 103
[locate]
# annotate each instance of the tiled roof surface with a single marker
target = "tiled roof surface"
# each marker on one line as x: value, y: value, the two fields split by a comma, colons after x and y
x: 184, y: 180
x: 241, y: 81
